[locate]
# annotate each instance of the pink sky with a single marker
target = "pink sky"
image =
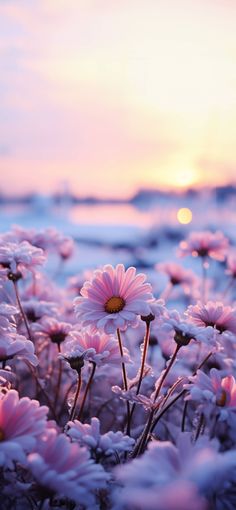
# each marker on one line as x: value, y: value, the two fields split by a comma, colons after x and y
x: 111, y: 95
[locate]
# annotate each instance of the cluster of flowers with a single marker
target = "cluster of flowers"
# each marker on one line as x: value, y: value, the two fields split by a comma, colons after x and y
x: 112, y: 399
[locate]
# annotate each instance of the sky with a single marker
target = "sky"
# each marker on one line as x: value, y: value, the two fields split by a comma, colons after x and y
x: 107, y: 96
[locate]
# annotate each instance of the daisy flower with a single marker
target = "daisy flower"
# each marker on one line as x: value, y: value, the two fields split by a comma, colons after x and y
x: 48, y: 239
x: 185, y: 331
x: 17, y: 259
x: 214, y: 314
x: 178, y: 275
x: 49, y: 328
x: 213, y: 388
x: 114, y: 298
x: 66, y: 470
x: 210, y: 472
x: 22, y: 422
x: 8, y: 310
x: 35, y: 309
x: 90, y: 435
x: 205, y: 244
x: 17, y: 346
x: 97, y: 347
x: 6, y: 326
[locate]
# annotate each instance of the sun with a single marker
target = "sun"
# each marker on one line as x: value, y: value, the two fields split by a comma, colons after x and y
x: 185, y: 178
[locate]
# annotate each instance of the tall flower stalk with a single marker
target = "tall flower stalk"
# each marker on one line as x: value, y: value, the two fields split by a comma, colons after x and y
x: 73, y: 408
x: 141, y: 444
x: 89, y: 383
x: 14, y: 281
x: 143, y: 361
x: 125, y: 379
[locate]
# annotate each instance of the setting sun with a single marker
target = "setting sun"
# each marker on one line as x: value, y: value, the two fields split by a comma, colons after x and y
x: 185, y: 178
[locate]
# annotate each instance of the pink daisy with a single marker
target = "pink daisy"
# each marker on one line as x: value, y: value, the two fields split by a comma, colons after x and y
x: 65, y: 469
x: 185, y: 331
x: 22, y: 421
x: 97, y: 347
x: 220, y: 317
x: 205, y: 244
x: 213, y: 388
x: 178, y: 275
x: 17, y: 259
x: 8, y: 310
x: 49, y: 328
x: 6, y: 326
x: 48, y: 239
x: 35, y: 310
x: 114, y: 298
x: 105, y: 444
x: 17, y: 346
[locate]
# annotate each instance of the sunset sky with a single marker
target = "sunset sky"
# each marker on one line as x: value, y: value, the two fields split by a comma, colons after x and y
x: 112, y: 95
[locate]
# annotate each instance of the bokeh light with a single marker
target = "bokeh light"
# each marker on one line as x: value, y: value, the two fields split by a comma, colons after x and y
x: 184, y: 215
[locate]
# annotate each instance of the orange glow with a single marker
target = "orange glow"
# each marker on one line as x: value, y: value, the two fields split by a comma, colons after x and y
x: 184, y: 215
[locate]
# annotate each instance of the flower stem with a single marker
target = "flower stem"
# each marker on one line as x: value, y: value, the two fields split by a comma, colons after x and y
x: 143, y: 361
x: 229, y: 286
x: 87, y: 390
x: 167, y: 291
x: 204, y: 279
x: 72, y: 412
x: 200, y: 427
x: 125, y: 380
x: 22, y: 311
x: 58, y: 386
x: 41, y: 504
x: 166, y: 372
x: 182, y: 392
x: 184, y: 416
x: 41, y: 389
x: 140, y: 447
x: 144, y: 356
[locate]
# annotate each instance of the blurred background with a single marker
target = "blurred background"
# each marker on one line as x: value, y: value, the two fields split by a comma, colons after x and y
x: 118, y: 121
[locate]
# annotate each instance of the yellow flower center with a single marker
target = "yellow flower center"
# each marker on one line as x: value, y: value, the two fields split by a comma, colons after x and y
x: 115, y: 304
x: 221, y: 400
x: 2, y: 435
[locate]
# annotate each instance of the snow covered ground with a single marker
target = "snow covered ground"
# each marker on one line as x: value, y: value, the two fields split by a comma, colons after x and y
x: 112, y: 233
